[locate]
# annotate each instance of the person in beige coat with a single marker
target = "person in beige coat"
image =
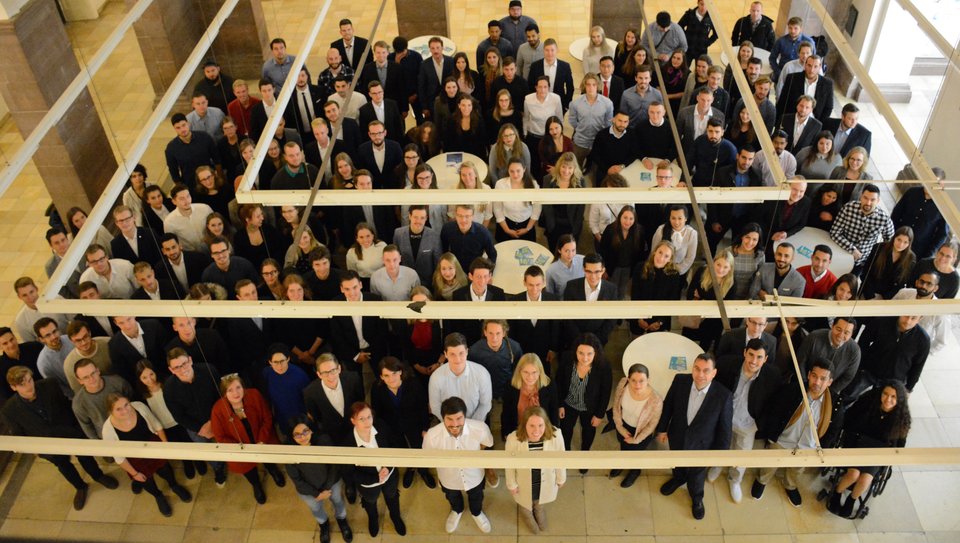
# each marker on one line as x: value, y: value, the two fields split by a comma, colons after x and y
x: 533, y: 488
x: 636, y: 411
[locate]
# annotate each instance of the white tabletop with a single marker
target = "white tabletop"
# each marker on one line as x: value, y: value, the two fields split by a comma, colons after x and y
x: 421, y: 44
x: 577, y: 46
x: 665, y: 354
x: 762, y: 54
x: 638, y: 176
x: 513, y: 258
x: 805, y: 240
x: 445, y: 166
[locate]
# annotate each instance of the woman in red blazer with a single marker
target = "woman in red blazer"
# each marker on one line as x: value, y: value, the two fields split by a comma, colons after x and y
x: 243, y: 416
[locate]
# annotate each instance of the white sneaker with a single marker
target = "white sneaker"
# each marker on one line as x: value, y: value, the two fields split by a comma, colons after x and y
x: 736, y: 493
x: 483, y: 522
x: 453, y: 520
x: 713, y: 473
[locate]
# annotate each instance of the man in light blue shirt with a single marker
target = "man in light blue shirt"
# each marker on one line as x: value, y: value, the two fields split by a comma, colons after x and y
x: 590, y: 113
x: 204, y: 118
x: 277, y: 68
x: 461, y: 378
x: 636, y: 100
x: 56, y: 347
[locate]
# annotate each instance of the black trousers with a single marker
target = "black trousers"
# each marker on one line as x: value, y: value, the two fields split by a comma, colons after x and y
x: 642, y: 446
x: 391, y: 495
x: 165, y: 473
x: 695, y: 478
x: 474, y: 497
x: 531, y: 235
x: 569, y: 422
x: 69, y: 471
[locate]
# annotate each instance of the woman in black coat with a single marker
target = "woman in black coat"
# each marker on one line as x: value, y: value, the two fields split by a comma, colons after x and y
x: 656, y: 279
x: 400, y: 402
x: 583, y: 386
x: 375, y: 480
x: 316, y: 483
x: 529, y: 386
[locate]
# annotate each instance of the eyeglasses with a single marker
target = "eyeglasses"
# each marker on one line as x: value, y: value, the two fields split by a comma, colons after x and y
x: 380, y: 133
x: 269, y: 272
x: 179, y: 367
x: 93, y: 374
x: 305, y: 433
x: 217, y: 253
x: 125, y: 219
x: 278, y: 362
x: 329, y: 372
x: 98, y: 260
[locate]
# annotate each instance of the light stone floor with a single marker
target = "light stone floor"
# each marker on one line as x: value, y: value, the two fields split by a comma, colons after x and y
x: 917, y: 505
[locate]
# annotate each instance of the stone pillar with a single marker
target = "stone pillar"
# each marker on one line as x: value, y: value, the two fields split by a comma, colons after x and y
x: 169, y: 30
x: 422, y: 18
x: 75, y: 160
x: 616, y: 16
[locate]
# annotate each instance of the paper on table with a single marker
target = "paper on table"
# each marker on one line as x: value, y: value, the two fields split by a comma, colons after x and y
x: 678, y: 363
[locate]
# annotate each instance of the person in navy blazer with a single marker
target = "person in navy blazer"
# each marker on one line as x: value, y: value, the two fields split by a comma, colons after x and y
x: 349, y: 128
x: 562, y: 81
x: 311, y: 149
x: 296, y: 106
x: 393, y: 85
x: 807, y: 138
x: 576, y: 291
x: 392, y: 120
x: 542, y: 338
x: 343, y: 334
x: 393, y: 156
x: 359, y: 44
x: 480, y: 275
x: 428, y: 84
x: 148, y: 246
x: 711, y: 427
x: 124, y: 356
x: 794, y: 85
x: 194, y: 263
x: 859, y: 135
x: 165, y: 287
x: 428, y: 255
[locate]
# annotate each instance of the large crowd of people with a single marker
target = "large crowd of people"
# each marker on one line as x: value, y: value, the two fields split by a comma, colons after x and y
x: 301, y: 380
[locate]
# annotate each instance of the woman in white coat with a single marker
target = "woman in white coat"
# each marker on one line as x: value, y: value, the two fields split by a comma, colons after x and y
x: 531, y: 488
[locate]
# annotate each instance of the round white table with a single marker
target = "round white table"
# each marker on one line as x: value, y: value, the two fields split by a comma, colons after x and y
x: 577, y: 46
x: 665, y: 354
x: 445, y: 165
x: 513, y: 258
x: 421, y: 44
x: 638, y: 176
x: 805, y: 240
x: 762, y: 54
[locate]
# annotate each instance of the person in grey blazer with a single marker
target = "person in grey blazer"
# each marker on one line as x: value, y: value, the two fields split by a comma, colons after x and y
x: 427, y: 256
x: 686, y: 119
x: 791, y: 283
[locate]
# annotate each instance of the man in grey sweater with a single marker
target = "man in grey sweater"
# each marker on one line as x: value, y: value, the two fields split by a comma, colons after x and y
x: 833, y: 344
x: 90, y: 402
x: 529, y: 52
x: 667, y: 37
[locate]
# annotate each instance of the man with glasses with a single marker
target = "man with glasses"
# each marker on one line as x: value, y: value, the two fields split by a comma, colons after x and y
x: 188, y: 220
x: 925, y: 288
x: 327, y: 402
x: 85, y: 347
x: 190, y: 394
x: 226, y: 270
x: 591, y: 288
x: 384, y: 110
x: 16, y: 354
x: 56, y: 347
x: 380, y: 157
x: 113, y: 276
x: 39, y: 410
x: 733, y: 342
x: 90, y: 401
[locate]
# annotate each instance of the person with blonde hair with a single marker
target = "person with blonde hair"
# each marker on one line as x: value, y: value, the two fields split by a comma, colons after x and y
x: 560, y: 219
x: 532, y: 488
x: 530, y: 386
x: 707, y: 331
x: 589, y: 114
x: 470, y: 179
x: 596, y: 49
x: 448, y: 277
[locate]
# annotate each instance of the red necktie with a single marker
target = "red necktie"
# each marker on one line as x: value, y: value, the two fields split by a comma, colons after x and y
x: 606, y: 90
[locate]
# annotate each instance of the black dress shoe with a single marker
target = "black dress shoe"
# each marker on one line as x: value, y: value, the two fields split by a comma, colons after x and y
x: 80, y: 499
x: 351, y: 492
x: 373, y: 526
x: 278, y: 478
x: 794, y: 496
x: 698, y: 510
x: 428, y: 479
x: 671, y: 486
x: 615, y: 473
x: 108, y: 481
x: 260, y: 496
x: 399, y: 525
x: 408, y: 477
x: 345, y: 530
x: 181, y: 493
x: 757, y: 489
x: 325, y: 532
x: 201, y: 467
x: 631, y: 478
x: 189, y: 470
x: 164, y: 506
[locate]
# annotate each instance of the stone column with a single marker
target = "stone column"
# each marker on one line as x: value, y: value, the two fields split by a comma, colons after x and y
x: 243, y: 43
x: 75, y: 160
x: 616, y: 16
x: 422, y: 17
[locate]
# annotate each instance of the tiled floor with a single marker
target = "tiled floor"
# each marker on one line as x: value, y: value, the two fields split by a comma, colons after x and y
x: 917, y: 505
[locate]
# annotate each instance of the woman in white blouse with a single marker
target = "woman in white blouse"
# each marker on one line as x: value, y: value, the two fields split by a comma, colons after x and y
x: 366, y: 254
x: 682, y: 235
x: 151, y: 388
x: 596, y: 49
x: 134, y: 196
x: 516, y: 220
x: 602, y: 215
x: 470, y: 179
x: 531, y: 488
x: 636, y: 411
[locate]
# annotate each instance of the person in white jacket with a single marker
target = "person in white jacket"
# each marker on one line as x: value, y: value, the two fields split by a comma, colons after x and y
x: 531, y: 488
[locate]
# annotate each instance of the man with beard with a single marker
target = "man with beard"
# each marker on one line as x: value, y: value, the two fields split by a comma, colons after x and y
x: 215, y: 85
x: 778, y: 275
x: 817, y: 274
x: 926, y: 287
x: 723, y: 217
x: 514, y: 26
x: 860, y: 223
x: 831, y: 344
x: 709, y: 153
x: 788, y: 162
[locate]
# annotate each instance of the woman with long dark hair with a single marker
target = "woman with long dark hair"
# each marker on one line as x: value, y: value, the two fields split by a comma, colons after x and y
x: 631, y: 38
x: 748, y: 256
x: 825, y: 206
x: 890, y: 266
x: 553, y: 144
x: 675, y: 73
x: 508, y: 145
x: 464, y: 131
x: 501, y: 112
x: 516, y: 220
x: 583, y: 386
x: 622, y: 246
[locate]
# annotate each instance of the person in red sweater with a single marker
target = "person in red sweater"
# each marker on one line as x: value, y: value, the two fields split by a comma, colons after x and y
x: 818, y: 275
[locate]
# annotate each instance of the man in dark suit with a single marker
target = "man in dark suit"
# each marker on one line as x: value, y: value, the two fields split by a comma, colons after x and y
x: 383, y: 218
x: 478, y: 290
x: 847, y: 131
x: 182, y: 268
x: 756, y: 28
x: 328, y: 402
x: 433, y: 71
x: 588, y: 289
x: 801, y: 128
x: 699, y: 423
x: 733, y: 342
x: 133, y: 243
x: 351, y: 47
x: 317, y: 146
x: 151, y: 287
x: 611, y: 85
x: 419, y: 245
x: 539, y: 336
x: 384, y: 110
x: 259, y: 116
x: 306, y: 103
x: 559, y: 72
x: 389, y: 74
x: 687, y: 119
x: 382, y: 176
x: 249, y: 337
x: 203, y: 345
x: 796, y: 85
x: 723, y: 217
x: 409, y: 62
x: 512, y: 82
x: 358, y: 347
x: 138, y: 340
x: 349, y: 131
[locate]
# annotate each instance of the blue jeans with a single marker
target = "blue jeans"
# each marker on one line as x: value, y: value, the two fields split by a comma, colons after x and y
x: 218, y: 467
x: 316, y: 507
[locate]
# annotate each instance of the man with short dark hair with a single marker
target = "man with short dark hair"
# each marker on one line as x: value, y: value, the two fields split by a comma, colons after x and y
x: 38, y: 409
x: 778, y: 275
x: 419, y: 245
x: 152, y: 288
x: 697, y: 415
x: 351, y: 47
x: 615, y: 147
x: 189, y: 150
x: 557, y: 71
x: 342, y: 129
x: 137, y: 340
x: 709, y: 153
x: 538, y: 335
x: 847, y: 130
x: 90, y: 401
x: 17, y: 354
x: 466, y: 239
x: 358, y: 340
x: 786, y: 47
x: 833, y: 344
x: 819, y: 279
x: 204, y: 118
x: 384, y: 110
x: 667, y: 37
x: 86, y: 346
x: 56, y: 347
x: 324, y: 282
x: 133, y: 243
x: 698, y: 29
x: 342, y: 93
x: 723, y: 217
x: 389, y: 75
x: 809, y: 82
x: 860, y: 223
x: 59, y: 243
x: 380, y: 156
x: 183, y: 268
x: 801, y: 128
x: 692, y: 120
x: 529, y: 50
x: 215, y: 85
x: 249, y: 337
x: 226, y: 270
x: 261, y: 112
x: 189, y: 220
x: 496, y: 352
x: 591, y: 288
x: 29, y: 313
x: 190, y: 393
x: 433, y: 71
x: 295, y: 173
x: 917, y: 210
x: 382, y: 218
x: 654, y: 137
x: 276, y: 68
x: 306, y: 103
x: 925, y: 288
x: 495, y: 40
x: 393, y: 281
x: 637, y: 98
x: 201, y: 344
x: 409, y: 62
x: 514, y: 26
x: 479, y: 289
x: 732, y: 342
x: 462, y: 378
x: 514, y: 83
x: 113, y: 276
x: 894, y: 348
x: 760, y: 97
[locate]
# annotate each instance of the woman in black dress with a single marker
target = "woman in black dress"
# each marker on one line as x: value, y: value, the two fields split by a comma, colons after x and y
x: 656, y: 279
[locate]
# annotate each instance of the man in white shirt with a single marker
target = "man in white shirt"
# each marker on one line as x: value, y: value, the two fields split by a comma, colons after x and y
x: 393, y: 282
x: 188, y: 220
x: 29, y: 314
x: 113, y: 276
x: 342, y: 87
x: 788, y: 162
x: 458, y: 433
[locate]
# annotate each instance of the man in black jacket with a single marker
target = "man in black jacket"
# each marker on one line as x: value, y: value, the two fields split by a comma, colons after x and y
x: 358, y: 346
x: 756, y: 28
x: 351, y: 47
x: 479, y: 289
x: 389, y: 74
x: 591, y: 288
x: 250, y: 336
x: 539, y: 336
x: 133, y: 243
x: 152, y: 288
x: 39, y: 409
x: 701, y: 423
x: 786, y: 425
x: 893, y: 348
x: 734, y: 341
x: 136, y: 341
x: 183, y: 268
x: 190, y: 393
x: 752, y: 382
x: 384, y: 110
x: 204, y: 344
x: 723, y: 217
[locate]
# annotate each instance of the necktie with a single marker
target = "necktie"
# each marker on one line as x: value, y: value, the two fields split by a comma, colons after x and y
x: 306, y: 111
x: 606, y: 90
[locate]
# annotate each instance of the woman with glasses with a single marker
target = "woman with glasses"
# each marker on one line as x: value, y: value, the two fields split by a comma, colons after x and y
x: 317, y: 483
x: 243, y: 416
x: 404, y: 172
x: 272, y: 287
x: 372, y: 481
